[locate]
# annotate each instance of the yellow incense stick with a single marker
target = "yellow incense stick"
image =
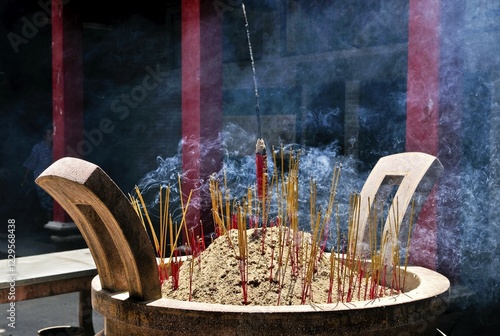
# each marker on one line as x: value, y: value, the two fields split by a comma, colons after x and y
x: 157, y: 245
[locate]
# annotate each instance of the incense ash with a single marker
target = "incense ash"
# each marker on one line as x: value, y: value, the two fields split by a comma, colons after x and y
x: 273, y: 276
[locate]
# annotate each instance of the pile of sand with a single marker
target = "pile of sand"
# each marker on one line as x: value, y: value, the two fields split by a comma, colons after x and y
x: 215, y: 277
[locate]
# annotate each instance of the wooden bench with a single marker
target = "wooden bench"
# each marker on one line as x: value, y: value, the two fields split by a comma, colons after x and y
x: 50, y: 274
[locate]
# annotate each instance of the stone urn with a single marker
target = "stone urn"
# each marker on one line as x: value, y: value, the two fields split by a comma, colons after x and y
x: 127, y: 291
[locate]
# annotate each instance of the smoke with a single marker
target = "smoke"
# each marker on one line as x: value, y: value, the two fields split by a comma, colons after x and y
x: 238, y: 174
x: 305, y: 53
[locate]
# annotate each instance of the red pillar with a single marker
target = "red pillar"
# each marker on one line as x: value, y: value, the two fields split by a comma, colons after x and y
x: 201, y: 105
x: 422, y: 115
x: 67, y: 90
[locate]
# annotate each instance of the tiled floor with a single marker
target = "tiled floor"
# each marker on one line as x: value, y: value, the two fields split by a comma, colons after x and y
x: 33, y: 315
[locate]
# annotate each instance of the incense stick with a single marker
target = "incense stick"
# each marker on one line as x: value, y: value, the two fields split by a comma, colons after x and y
x: 289, y: 252
x: 254, y: 75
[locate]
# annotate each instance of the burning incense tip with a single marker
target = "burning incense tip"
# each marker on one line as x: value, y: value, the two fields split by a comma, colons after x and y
x: 260, y: 147
x: 261, y: 168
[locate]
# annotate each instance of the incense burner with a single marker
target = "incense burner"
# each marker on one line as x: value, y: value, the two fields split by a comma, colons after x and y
x: 411, y: 313
x: 127, y: 290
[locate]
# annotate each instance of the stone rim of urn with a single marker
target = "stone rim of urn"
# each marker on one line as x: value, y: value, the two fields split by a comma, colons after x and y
x: 413, y: 313
x: 127, y: 291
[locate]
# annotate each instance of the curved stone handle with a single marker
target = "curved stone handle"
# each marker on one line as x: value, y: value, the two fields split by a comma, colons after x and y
x: 414, y: 175
x: 119, y: 244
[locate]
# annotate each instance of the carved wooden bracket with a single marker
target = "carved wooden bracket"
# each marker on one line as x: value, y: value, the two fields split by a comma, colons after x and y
x: 118, y: 241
